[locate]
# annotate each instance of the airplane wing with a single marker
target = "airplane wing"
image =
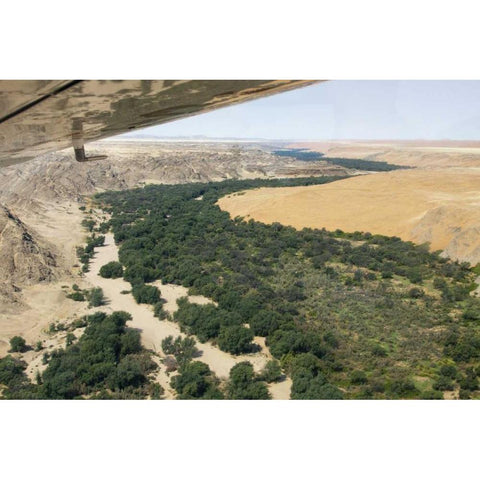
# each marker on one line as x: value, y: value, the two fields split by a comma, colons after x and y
x: 40, y: 116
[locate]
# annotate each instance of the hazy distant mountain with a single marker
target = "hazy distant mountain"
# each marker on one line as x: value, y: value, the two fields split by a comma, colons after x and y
x: 200, y: 138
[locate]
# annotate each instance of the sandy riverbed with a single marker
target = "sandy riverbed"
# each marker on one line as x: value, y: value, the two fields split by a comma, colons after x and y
x: 153, y: 331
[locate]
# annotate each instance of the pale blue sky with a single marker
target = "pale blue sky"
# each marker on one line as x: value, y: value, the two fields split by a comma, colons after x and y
x: 347, y: 109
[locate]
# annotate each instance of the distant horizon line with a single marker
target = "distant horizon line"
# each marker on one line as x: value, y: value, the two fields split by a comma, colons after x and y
x: 200, y: 138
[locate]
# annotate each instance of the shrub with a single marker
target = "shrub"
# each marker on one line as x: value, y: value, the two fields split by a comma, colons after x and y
x: 235, y: 339
x: 432, y: 395
x: 416, y: 292
x: 159, y: 312
x: 111, y: 270
x: 195, y: 380
x: 11, y: 370
x: 243, y: 385
x: 96, y: 297
x: 182, y: 348
x: 272, y: 372
x: 443, y: 384
x: 77, y: 296
x: 70, y: 339
x: 17, y: 344
x: 146, y: 294
x: 379, y: 351
x: 449, y: 371
x: 403, y: 387
x: 358, y: 377
x: 264, y: 323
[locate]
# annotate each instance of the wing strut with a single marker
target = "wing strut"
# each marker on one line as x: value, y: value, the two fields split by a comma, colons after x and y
x: 79, y: 143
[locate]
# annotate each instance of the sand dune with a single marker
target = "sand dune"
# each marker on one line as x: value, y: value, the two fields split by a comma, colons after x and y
x: 411, y: 153
x: 440, y: 206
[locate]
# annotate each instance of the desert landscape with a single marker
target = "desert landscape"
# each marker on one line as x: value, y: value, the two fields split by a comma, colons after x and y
x: 43, y: 203
x: 40, y: 224
x: 435, y: 201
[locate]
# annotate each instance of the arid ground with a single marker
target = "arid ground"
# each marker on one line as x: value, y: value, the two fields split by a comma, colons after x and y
x: 436, y: 201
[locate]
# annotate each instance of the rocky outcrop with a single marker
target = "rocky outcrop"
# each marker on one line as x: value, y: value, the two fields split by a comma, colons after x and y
x: 58, y: 177
x: 25, y: 258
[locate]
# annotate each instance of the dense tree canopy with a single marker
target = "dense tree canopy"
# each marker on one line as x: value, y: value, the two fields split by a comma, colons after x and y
x: 355, y: 301
x: 244, y: 385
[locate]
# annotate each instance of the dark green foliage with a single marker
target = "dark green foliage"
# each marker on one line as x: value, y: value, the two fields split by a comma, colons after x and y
x: 86, y: 253
x: 309, y: 156
x: 95, y: 297
x: 463, y: 348
x: 88, y: 224
x: 264, y: 322
x: 416, y: 293
x: 111, y: 270
x: 472, y: 312
x: 290, y: 340
x: 309, y: 383
x: 146, y: 294
x: 15, y: 381
x: 235, y: 339
x: 11, y: 370
x: 107, y: 354
x: 443, y: 383
x: 449, y: 371
x: 18, y: 344
x: 243, y: 384
x: 158, y: 310
x: 367, y: 165
x: 138, y: 274
x: 77, y: 296
x: 200, y: 320
x: 104, y: 227
x: 70, y: 339
x: 195, y: 381
x: 358, y: 377
x: 272, y: 372
x: 432, y: 395
x: 130, y: 372
x: 183, y: 349
x: 299, y: 154
x: 379, y: 351
x: 469, y: 381
x: 403, y: 388
x: 289, y: 286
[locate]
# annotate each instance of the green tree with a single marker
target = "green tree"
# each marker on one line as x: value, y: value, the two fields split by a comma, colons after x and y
x: 111, y: 270
x: 235, y: 339
x: 77, y: 296
x: 146, y: 294
x: 195, y: 381
x: 96, y: 297
x: 272, y: 372
x: 17, y: 344
x: 70, y: 339
x: 243, y: 384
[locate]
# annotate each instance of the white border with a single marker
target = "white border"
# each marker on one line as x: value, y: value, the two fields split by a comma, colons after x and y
x: 244, y: 39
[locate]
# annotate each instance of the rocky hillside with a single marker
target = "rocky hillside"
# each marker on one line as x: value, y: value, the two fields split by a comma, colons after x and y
x: 45, y: 194
x: 58, y: 177
x: 25, y: 258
